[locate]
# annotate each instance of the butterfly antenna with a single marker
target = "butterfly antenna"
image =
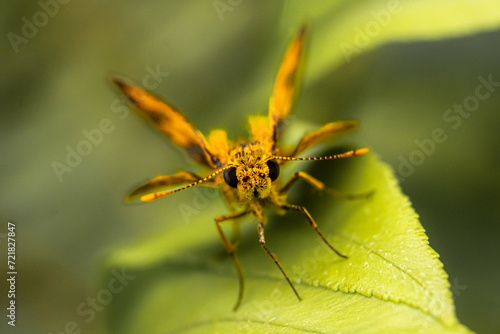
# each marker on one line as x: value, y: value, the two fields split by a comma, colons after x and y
x: 157, y: 195
x: 353, y: 153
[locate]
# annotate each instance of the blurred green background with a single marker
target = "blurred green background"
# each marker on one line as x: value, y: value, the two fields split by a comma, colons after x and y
x: 217, y: 64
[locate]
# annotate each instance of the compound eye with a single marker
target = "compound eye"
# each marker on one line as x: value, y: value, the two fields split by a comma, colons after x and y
x: 274, y: 169
x: 230, y: 177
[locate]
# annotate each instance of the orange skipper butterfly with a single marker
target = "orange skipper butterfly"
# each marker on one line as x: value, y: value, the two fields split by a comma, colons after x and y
x: 246, y: 171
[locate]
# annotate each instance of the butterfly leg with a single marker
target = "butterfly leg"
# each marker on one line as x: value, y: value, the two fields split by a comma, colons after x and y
x: 321, y: 186
x: 231, y: 248
x: 312, y: 223
x: 262, y: 242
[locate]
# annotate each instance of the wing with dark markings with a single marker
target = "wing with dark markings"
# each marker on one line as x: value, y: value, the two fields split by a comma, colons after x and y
x: 169, y: 121
x: 286, y: 84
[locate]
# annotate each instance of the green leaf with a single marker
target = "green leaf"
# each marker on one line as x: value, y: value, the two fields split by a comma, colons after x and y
x: 346, y: 29
x: 392, y: 281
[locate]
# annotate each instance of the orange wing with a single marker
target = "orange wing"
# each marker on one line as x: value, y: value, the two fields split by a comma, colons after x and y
x: 326, y: 130
x: 286, y: 85
x: 169, y: 121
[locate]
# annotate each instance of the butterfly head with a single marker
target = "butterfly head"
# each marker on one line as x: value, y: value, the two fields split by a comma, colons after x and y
x: 252, y: 175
